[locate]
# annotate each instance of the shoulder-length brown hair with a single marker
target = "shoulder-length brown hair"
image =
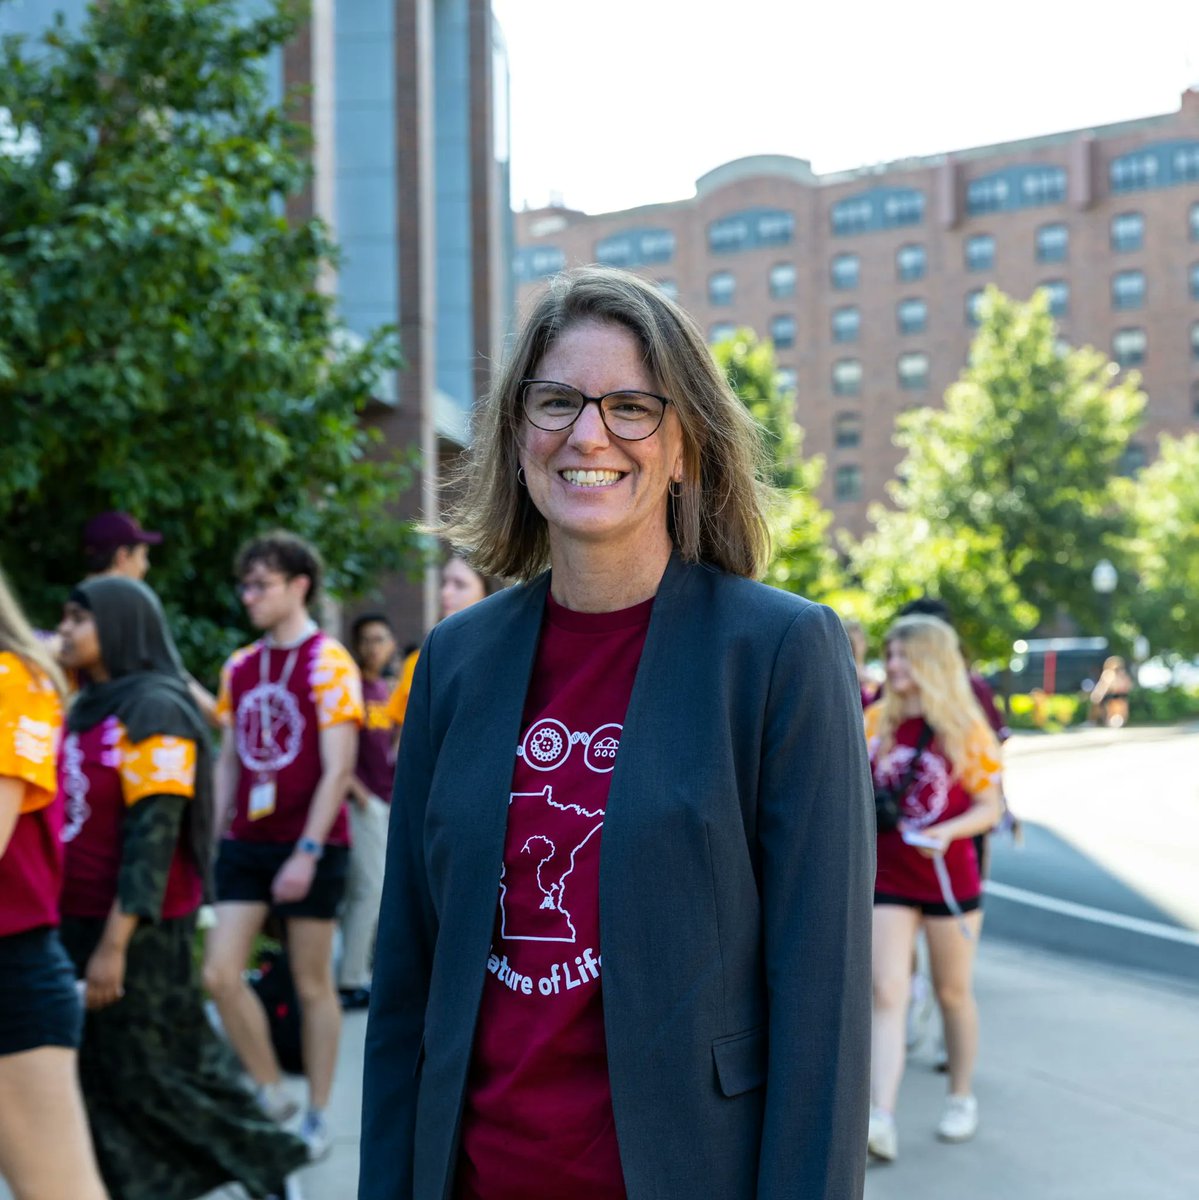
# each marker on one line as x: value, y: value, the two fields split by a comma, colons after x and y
x: 717, y: 518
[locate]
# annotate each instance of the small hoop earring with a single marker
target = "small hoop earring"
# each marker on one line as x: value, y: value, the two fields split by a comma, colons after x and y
x: 520, y: 477
x: 675, y: 488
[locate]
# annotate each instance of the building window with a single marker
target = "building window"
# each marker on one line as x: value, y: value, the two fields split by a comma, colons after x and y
x: 731, y: 233
x: 847, y: 377
x: 1128, y: 289
x: 774, y: 228
x: 852, y: 216
x: 782, y: 281
x: 668, y: 288
x: 1195, y: 281
x: 1128, y: 231
x: 910, y: 263
x: 1134, y: 458
x: 782, y: 332
x: 911, y: 315
x: 986, y: 195
x: 615, y: 251
x: 786, y: 379
x: 1132, y: 172
x: 536, y: 262
x: 980, y: 252
x: 846, y: 270
x: 1015, y: 187
x: 656, y: 245
x: 847, y: 485
x: 1195, y: 222
x: 847, y: 430
x: 913, y: 371
x: 1053, y: 243
x: 974, y: 301
x: 878, y: 208
x: 721, y: 332
x: 1128, y: 346
x: 1043, y: 185
x: 847, y: 324
x: 722, y: 287
x: 1058, y: 291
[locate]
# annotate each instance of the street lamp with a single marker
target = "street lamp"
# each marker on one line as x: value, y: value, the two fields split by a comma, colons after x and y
x: 1104, y: 578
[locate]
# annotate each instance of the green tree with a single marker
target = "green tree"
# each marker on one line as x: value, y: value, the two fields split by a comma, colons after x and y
x: 1163, y: 547
x: 803, y: 559
x: 165, y: 343
x: 1004, y: 500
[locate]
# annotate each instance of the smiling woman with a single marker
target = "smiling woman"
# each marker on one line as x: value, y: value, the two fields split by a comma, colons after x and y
x: 636, y: 1023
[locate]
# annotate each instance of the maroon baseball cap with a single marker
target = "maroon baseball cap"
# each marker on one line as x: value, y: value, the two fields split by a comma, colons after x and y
x: 117, y: 529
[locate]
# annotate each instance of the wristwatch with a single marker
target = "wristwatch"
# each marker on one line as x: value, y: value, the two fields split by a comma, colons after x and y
x: 307, y: 845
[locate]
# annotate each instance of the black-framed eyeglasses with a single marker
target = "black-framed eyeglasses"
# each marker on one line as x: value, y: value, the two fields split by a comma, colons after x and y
x: 629, y: 415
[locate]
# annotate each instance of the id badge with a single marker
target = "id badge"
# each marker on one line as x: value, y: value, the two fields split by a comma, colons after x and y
x: 262, y: 799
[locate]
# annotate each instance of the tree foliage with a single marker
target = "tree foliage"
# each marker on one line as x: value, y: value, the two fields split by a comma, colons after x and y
x: 803, y: 559
x: 1163, y: 547
x: 1004, y: 501
x: 165, y: 345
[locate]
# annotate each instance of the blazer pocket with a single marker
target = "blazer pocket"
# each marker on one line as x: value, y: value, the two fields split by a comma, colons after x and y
x: 741, y: 1061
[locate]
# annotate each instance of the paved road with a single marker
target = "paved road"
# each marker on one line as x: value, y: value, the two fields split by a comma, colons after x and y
x: 1111, y: 824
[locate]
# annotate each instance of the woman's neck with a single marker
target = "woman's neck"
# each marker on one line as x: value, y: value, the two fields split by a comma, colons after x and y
x: 597, y: 578
x: 910, y: 705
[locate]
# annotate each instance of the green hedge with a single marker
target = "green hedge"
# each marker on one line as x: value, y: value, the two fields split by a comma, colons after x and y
x: 1170, y: 704
x: 1059, y: 712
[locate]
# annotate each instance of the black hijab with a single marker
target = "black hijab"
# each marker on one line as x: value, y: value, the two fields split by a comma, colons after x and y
x: 145, y: 690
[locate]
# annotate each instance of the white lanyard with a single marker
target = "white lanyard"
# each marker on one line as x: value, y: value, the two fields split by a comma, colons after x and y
x: 264, y: 675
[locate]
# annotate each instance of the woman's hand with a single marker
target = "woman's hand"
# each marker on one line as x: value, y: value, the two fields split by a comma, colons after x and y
x: 293, y: 879
x: 941, y: 837
x: 105, y: 976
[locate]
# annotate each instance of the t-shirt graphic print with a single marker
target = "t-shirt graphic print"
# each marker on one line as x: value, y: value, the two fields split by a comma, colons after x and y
x: 538, y: 1118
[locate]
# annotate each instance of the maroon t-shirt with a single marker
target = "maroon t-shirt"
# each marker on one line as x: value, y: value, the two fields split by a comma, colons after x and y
x: 376, y: 761
x: 277, y: 699
x: 538, y: 1115
x: 101, y: 775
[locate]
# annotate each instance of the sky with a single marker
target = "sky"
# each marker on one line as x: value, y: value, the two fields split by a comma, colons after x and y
x: 617, y: 103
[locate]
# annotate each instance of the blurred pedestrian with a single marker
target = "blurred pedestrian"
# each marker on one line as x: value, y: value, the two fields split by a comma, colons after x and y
x: 461, y: 586
x: 936, y: 769
x: 45, y: 1146
x: 1109, y: 697
x: 291, y: 704
x: 169, y: 1113
x: 370, y: 798
x: 857, y: 641
x: 713, y: 1042
x: 114, y: 543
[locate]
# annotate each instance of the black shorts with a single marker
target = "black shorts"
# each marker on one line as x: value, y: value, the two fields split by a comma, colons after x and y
x: 929, y: 908
x: 244, y: 872
x: 39, y: 1003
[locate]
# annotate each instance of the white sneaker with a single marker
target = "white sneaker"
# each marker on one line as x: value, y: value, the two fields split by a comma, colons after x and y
x: 276, y: 1103
x: 883, y: 1140
x: 315, y: 1133
x: 959, y: 1121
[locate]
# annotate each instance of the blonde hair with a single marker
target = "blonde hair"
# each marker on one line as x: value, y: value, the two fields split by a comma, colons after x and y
x: 17, y: 637
x: 939, y: 672
x: 718, y: 517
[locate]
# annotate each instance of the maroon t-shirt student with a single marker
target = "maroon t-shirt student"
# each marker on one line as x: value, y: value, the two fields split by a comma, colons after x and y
x: 376, y: 761
x: 538, y: 1115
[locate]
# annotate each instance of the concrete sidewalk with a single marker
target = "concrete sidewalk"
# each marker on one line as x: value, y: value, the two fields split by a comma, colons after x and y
x: 1086, y: 1087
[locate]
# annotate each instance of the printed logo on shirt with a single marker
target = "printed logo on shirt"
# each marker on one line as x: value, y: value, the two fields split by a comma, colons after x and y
x: 270, y: 728
x: 928, y: 797
x: 539, y: 877
x: 547, y: 745
x: 75, y: 786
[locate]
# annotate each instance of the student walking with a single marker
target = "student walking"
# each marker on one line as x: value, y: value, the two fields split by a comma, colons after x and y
x: 168, y: 1109
x: 291, y: 704
x: 45, y: 1147
x: 370, y: 799
x: 936, y: 769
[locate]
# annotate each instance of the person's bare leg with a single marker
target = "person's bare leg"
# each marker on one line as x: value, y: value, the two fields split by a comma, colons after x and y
x: 310, y: 949
x: 226, y: 953
x: 45, y: 1146
x: 894, y: 940
x: 951, y: 956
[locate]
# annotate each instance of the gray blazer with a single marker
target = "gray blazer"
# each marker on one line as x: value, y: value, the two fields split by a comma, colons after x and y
x: 736, y: 876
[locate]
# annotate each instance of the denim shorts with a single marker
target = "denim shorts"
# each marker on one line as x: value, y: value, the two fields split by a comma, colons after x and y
x: 39, y: 1002
x: 244, y: 872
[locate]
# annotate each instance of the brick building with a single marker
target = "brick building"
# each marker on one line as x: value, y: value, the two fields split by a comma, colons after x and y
x: 865, y: 280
